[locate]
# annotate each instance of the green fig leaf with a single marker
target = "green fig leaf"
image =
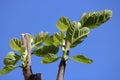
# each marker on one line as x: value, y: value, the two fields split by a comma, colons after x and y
x: 94, y: 19
x: 39, y: 39
x: 81, y: 59
x: 56, y: 39
x: 49, y: 59
x: 45, y: 36
x: 63, y: 24
x: 42, y: 51
x: 49, y: 41
x: 32, y: 38
x: 7, y: 69
x: 15, y: 44
x: 11, y: 58
x: 75, y: 34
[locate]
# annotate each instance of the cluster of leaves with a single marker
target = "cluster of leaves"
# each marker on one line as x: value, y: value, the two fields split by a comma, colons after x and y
x: 47, y: 46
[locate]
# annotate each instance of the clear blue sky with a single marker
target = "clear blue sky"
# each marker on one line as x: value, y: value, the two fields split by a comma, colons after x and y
x: 33, y: 16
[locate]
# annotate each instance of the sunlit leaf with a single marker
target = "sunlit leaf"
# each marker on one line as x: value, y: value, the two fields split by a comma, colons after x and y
x: 75, y: 34
x: 82, y: 59
x: 15, y: 44
x: 24, y: 57
x: 32, y: 38
x: 49, y: 41
x: 42, y: 51
x: 45, y: 35
x: 56, y: 39
x: 7, y: 69
x: 49, y: 59
x: 38, y: 39
x: 62, y: 36
x: 95, y: 19
x: 63, y: 24
x: 11, y: 58
x: 76, y: 43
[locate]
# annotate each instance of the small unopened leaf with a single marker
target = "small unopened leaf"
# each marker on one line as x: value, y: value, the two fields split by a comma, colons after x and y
x: 49, y: 59
x: 15, y: 44
x: 63, y: 24
x: 11, y: 58
x: 7, y: 69
x: 82, y: 59
x: 95, y: 19
x: 32, y: 38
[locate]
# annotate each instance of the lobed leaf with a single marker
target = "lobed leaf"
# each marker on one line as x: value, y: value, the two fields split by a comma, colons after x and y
x: 82, y: 59
x: 7, y: 69
x: 75, y: 34
x: 94, y: 19
x: 49, y: 59
x: 76, y: 43
x: 42, y: 51
x: 49, y: 41
x: 11, y: 58
x: 56, y: 39
x: 63, y: 24
x: 45, y: 35
x: 38, y: 39
x: 62, y: 36
x: 15, y: 44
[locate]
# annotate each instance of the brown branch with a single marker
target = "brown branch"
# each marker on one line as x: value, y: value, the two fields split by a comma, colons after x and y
x: 27, y: 70
x: 61, y: 70
x: 62, y: 65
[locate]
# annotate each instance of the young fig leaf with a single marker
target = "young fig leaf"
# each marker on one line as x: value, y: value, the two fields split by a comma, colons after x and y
x: 55, y: 40
x: 94, y: 19
x: 38, y: 39
x: 45, y: 35
x: 32, y: 38
x: 75, y: 34
x: 82, y: 59
x: 63, y: 24
x: 49, y: 59
x: 11, y: 58
x: 7, y: 69
x: 15, y: 44
x: 43, y: 51
x: 49, y: 41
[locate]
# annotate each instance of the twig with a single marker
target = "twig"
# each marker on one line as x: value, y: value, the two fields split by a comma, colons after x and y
x: 27, y: 70
x: 62, y: 65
